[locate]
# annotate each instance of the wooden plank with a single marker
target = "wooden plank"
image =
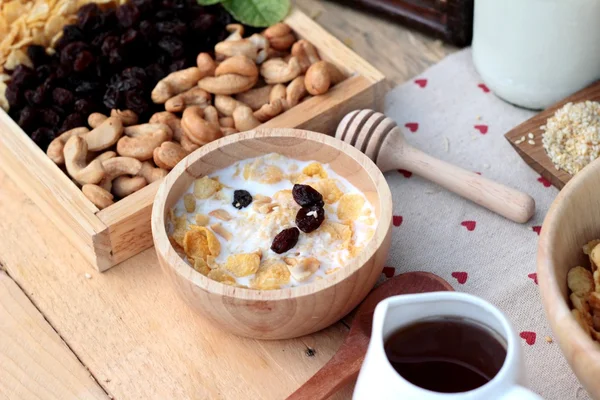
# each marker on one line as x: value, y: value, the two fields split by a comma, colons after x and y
x: 535, y: 155
x: 127, y: 325
x: 62, y: 202
x: 34, y: 361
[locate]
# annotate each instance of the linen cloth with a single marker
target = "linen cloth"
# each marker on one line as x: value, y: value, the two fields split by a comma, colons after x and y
x: 449, y: 113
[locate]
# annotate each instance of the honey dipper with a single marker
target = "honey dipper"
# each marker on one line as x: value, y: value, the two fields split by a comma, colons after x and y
x: 383, y: 142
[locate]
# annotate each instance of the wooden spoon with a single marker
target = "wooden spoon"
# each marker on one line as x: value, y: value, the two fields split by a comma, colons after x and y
x: 382, y: 141
x: 345, y: 364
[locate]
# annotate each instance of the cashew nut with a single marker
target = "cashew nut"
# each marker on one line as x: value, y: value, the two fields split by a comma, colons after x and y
x: 118, y: 166
x: 226, y: 104
x: 262, y: 45
x: 151, y: 173
x: 231, y: 48
x: 277, y: 93
x: 127, y: 117
x: 99, y: 197
x: 171, y: 120
x: 187, y: 144
x: 244, y: 119
x: 240, y: 65
x: 197, y: 129
x: 175, y: 83
x: 211, y: 115
x: 294, y: 92
x: 226, y: 122
x: 206, y: 64
x: 280, y: 36
x: 168, y: 155
x: 306, y: 54
x: 320, y: 76
x: 269, y: 111
x: 255, y: 98
x: 142, y: 146
x: 75, y: 153
x: 277, y: 70
x: 229, y: 131
x: 104, y: 135
x: 192, y: 97
x: 146, y: 129
x: 55, y: 148
x: 95, y: 119
x: 106, y: 156
x: 123, y: 186
x: 236, y: 30
x: 227, y: 84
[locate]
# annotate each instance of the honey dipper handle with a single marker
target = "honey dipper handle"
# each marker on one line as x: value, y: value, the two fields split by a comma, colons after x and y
x: 508, y: 202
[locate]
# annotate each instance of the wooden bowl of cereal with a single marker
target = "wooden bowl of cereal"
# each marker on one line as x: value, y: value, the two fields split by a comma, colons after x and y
x: 571, y: 296
x: 273, y: 233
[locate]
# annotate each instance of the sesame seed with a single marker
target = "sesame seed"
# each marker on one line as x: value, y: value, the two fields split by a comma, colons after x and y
x: 530, y: 142
x: 530, y: 135
x: 548, y: 339
x: 88, y: 276
x: 571, y: 136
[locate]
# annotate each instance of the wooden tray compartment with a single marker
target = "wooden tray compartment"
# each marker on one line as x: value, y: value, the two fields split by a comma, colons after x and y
x: 112, y: 235
x: 535, y: 155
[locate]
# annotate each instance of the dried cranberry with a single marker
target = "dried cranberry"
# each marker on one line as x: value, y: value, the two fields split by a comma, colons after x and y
x: 27, y: 118
x: 74, y: 120
x: 172, y: 46
x: 285, y: 240
x: 83, y: 60
x: 310, y: 218
x: 307, y: 196
x: 37, y: 54
x: 62, y: 97
x: 128, y: 15
x: 42, y: 137
x: 241, y: 199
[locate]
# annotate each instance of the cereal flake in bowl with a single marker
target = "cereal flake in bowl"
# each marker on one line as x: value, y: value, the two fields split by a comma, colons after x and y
x: 220, y: 246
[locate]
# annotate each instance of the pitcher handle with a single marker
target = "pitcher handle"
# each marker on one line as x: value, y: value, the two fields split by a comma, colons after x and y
x: 520, y: 393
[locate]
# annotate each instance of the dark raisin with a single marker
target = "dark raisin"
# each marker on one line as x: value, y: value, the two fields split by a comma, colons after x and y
x: 155, y: 72
x: 62, y: 97
x: 27, y: 118
x: 112, y: 98
x: 42, y: 137
x: 310, y: 218
x: 203, y: 23
x: 71, y: 33
x: 172, y: 46
x: 148, y: 30
x: 38, y: 96
x: 83, y: 60
x: 135, y: 102
x: 134, y: 73
x: 241, y: 199
x: 144, y: 6
x: 285, y: 240
x: 74, y: 120
x: 165, y: 15
x: 128, y: 15
x: 37, y: 54
x: 130, y: 38
x: 69, y: 53
x: 109, y: 44
x: 175, y: 28
x: 43, y: 72
x: 307, y: 196
x: 49, y: 117
x: 88, y: 17
x: 84, y: 106
x: 178, y: 65
x: 14, y: 96
x: 99, y: 39
x: 23, y: 76
x: 85, y: 87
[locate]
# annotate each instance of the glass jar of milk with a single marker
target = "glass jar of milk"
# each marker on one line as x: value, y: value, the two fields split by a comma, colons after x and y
x: 533, y: 53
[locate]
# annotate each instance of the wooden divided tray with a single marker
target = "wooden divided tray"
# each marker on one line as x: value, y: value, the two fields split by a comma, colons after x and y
x: 114, y: 234
x: 534, y: 154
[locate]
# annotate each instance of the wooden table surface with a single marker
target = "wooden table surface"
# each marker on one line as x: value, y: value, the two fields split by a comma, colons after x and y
x: 124, y: 334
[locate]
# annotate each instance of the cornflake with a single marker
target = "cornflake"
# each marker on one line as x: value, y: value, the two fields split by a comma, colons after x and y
x: 205, y: 187
x: 242, y: 264
x: 199, y: 242
x: 271, y: 275
x: 350, y: 207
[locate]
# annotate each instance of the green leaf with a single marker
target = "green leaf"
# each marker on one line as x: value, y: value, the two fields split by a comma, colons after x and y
x: 257, y: 13
x: 208, y: 2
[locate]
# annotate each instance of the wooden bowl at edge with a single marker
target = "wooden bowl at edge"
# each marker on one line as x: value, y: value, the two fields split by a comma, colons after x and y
x: 572, y: 221
x: 290, y: 312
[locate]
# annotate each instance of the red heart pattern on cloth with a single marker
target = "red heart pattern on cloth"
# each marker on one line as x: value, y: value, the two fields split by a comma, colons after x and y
x: 389, y: 271
x: 421, y: 82
x: 484, y: 87
x: 483, y: 129
x: 529, y: 337
x: 412, y: 126
x: 544, y: 181
x: 478, y: 173
x: 537, y: 229
x: 533, y: 277
x: 407, y: 174
x: 470, y: 225
x: 397, y: 220
x: 461, y: 277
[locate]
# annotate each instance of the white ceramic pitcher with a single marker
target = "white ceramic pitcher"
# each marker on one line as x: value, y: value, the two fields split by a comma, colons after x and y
x: 379, y: 380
